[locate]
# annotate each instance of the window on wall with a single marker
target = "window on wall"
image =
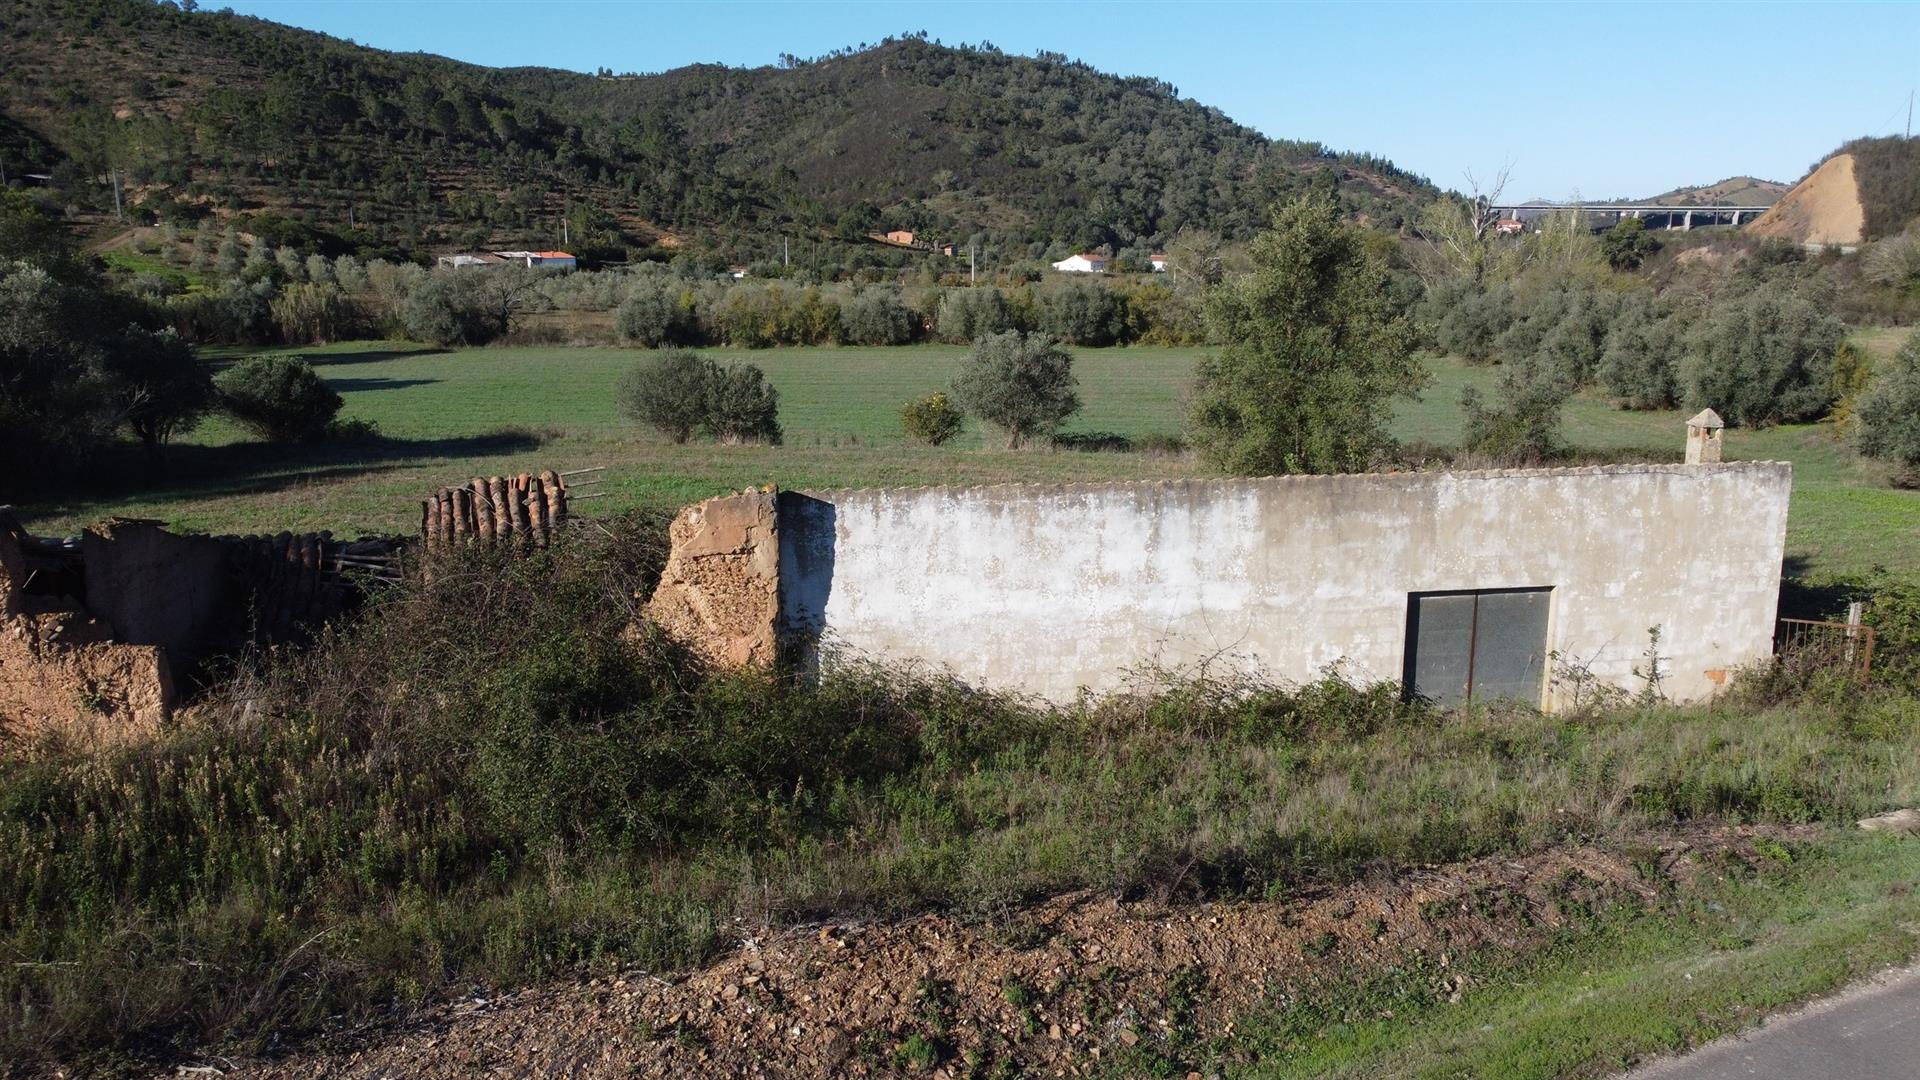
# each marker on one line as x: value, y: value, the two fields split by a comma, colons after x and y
x: 1477, y: 646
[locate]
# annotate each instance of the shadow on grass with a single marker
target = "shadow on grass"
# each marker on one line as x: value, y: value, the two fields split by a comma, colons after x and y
x: 355, y: 386
x: 222, y: 357
x: 191, y: 471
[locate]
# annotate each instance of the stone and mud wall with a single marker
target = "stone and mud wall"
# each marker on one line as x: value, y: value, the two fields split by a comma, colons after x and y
x: 1048, y: 589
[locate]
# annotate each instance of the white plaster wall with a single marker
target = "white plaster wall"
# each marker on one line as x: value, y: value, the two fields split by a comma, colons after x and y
x: 1048, y: 589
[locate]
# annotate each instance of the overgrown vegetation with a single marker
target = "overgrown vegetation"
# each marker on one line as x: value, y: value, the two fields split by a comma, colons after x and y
x: 1020, y: 383
x: 523, y: 790
x: 679, y: 392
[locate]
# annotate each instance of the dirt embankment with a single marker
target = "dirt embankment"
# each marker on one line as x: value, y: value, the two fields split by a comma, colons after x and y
x: 1057, y: 990
x: 1824, y: 208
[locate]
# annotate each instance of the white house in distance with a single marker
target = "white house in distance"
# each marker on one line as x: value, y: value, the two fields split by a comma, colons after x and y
x: 1159, y: 262
x: 1085, y: 263
x: 551, y: 260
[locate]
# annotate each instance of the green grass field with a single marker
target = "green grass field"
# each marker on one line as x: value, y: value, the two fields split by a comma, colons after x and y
x: 450, y: 415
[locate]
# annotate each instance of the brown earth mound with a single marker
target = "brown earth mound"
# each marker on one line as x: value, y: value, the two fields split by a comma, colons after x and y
x: 1824, y: 208
x: 1054, y: 990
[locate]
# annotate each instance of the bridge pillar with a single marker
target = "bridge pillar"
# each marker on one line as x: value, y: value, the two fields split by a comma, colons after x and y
x: 1688, y: 227
x: 1736, y: 219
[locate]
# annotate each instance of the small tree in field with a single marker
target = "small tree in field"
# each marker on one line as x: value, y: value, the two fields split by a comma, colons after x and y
x: 668, y: 392
x: 278, y: 398
x: 1314, y: 352
x: 741, y: 406
x: 1020, y: 382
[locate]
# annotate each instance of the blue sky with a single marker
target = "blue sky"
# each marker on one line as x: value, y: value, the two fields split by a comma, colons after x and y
x: 1598, y: 100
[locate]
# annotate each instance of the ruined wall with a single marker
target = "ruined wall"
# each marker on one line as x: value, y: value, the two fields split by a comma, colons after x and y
x: 1050, y: 588
x: 719, y: 593
x: 60, y: 670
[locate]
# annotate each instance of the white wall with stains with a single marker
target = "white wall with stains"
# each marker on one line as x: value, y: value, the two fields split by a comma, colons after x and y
x: 1047, y: 589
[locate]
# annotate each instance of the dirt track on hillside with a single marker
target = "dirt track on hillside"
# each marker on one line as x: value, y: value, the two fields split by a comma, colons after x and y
x: 1052, y: 990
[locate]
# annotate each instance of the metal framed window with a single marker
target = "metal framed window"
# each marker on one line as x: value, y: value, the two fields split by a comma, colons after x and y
x: 1480, y: 645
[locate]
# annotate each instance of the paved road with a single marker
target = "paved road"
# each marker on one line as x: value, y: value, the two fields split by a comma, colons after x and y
x: 1869, y: 1032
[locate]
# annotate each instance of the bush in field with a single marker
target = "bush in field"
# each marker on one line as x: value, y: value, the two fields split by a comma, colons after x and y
x: 931, y: 420
x: 748, y: 317
x: 1022, y: 383
x: 1523, y: 428
x: 741, y: 406
x: 278, y: 398
x: 966, y: 315
x: 667, y: 392
x: 679, y: 392
x: 876, y: 316
x: 1640, y: 366
x: 652, y: 316
x: 1082, y: 313
x: 1763, y: 357
x: 1314, y: 352
x: 1887, y: 416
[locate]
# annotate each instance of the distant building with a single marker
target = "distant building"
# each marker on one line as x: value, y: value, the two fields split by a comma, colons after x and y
x: 1084, y: 263
x: 898, y: 238
x: 466, y: 259
x: 548, y: 260
x: 1159, y: 261
x: 1509, y: 227
x: 738, y: 272
x: 947, y: 250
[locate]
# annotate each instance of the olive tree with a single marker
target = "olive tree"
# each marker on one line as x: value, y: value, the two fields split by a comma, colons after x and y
x: 1313, y: 352
x: 1021, y: 383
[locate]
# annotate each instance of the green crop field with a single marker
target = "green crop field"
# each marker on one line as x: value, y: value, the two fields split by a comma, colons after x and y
x: 445, y: 416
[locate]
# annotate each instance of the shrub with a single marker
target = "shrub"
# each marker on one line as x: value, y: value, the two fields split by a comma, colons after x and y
x: 667, y: 392
x: 1888, y: 412
x: 652, y: 316
x: 278, y: 398
x: 1466, y: 317
x: 931, y: 420
x: 1627, y: 244
x: 443, y: 310
x: 1082, y: 313
x: 966, y: 315
x: 1895, y: 261
x: 1640, y: 366
x: 312, y: 314
x: 1022, y: 383
x: 876, y: 316
x: 1524, y: 428
x: 1763, y: 357
x: 741, y: 406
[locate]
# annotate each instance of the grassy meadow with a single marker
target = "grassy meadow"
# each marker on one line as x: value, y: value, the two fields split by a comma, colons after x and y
x: 445, y: 416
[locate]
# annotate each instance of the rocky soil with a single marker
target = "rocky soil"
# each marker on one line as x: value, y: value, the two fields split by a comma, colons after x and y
x: 1060, y: 989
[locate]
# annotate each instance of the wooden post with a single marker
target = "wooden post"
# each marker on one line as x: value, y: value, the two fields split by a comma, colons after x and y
x: 556, y: 498
x: 497, y: 496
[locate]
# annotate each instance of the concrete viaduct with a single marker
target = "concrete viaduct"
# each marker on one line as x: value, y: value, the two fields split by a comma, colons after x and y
x: 1656, y: 215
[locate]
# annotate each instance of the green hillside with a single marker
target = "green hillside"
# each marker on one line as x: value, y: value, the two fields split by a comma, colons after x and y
x: 214, y: 115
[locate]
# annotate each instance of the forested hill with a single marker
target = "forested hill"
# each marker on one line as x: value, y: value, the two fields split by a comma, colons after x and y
x: 212, y: 114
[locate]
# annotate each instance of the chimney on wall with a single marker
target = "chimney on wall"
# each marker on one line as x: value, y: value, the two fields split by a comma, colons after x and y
x: 1703, y: 438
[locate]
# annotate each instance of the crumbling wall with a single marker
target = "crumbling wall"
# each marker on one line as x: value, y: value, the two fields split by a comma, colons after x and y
x: 719, y: 594
x: 154, y: 587
x: 61, y: 672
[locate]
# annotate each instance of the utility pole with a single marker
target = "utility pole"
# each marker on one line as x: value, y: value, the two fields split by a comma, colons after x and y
x: 970, y: 275
x: 1909, y: 114
x: 118, y: 212
x: 566, y: 231
x: 786, y: 257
